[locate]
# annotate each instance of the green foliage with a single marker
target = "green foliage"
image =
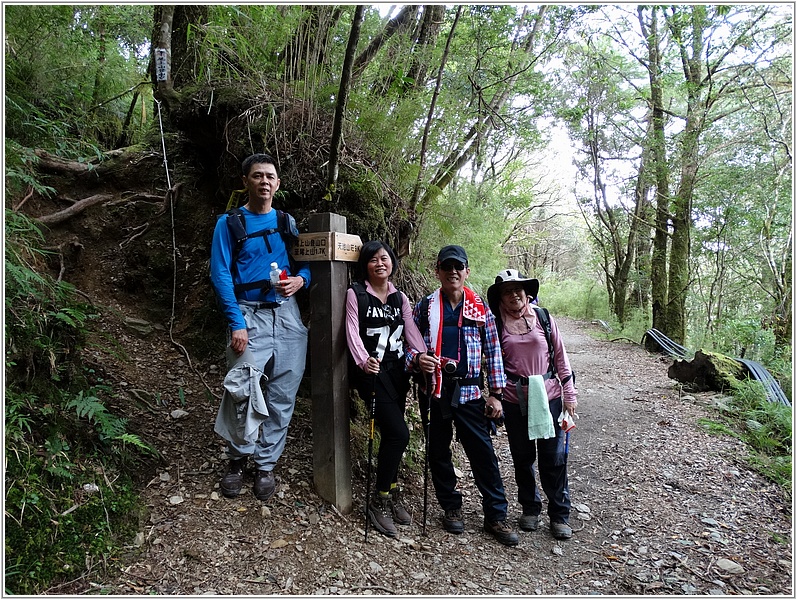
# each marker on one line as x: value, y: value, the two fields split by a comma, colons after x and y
x: 581, y: 298
x: 70, y: 72
x: 745, y: 337
x: 54, y: 531
x: 360, y: 202
x: 20, y: 173
x: 466, y: 217
x: 60, y: 434
x: 766, y: 428
x: 40, y: 340
x: 637, y: 322
x: 226, y: 51
x: 716, y: 428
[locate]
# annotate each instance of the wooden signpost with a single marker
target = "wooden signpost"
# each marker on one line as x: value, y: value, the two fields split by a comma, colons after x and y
x: 328, y: 247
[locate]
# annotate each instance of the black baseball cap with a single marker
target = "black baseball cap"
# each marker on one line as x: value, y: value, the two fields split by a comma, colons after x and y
x: 452, y: 253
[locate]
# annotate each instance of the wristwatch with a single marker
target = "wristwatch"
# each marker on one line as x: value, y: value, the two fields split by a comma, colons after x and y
x: 498, y: 396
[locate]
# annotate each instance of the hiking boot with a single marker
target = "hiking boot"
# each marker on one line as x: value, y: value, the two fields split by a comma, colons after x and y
x: 400, y: 514
x: 380, y: 512
x: 529, y: 522
x: 502, y: 532
x: 265, y: 485
x: 452, y: 521
x: 561, y: 531
x: 233, y: 481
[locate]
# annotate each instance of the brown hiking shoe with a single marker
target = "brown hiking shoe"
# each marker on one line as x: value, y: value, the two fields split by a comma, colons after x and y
x: 400, y: 514
x: 502, y: 532
x: 233, y: 480
x: 265, y: 485
x: 380, y: 512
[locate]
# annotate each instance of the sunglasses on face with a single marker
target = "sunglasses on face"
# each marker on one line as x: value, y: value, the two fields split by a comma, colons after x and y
x: 452, y: 265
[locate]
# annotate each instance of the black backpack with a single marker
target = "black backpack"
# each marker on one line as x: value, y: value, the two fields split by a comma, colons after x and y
x: 237, y: 224
x: 355, y: 372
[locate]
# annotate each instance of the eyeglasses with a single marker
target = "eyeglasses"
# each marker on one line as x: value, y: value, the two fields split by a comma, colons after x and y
x: 451, y: 266
x: 511, y: 291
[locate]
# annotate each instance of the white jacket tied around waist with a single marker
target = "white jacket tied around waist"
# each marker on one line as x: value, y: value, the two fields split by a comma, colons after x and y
x: 243, y: 407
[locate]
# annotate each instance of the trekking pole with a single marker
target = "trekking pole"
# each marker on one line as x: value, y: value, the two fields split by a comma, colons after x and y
x: 426, y: 447
x: 370, y: 447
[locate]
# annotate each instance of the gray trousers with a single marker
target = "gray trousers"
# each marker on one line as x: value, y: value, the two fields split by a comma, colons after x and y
x: 278, y: 341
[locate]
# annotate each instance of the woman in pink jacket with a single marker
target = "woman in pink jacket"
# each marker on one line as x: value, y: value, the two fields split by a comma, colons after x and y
x: 378, y: 324
x: 530, y: 360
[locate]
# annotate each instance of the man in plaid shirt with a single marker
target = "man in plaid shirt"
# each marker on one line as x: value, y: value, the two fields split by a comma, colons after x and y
x: 459, y: 328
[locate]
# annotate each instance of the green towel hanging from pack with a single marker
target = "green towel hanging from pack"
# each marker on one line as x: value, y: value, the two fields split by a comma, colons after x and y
x: 540, y: 420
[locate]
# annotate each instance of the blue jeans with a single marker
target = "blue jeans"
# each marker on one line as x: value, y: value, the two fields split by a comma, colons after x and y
x: 551, y: 463
x: 278, y: 341
x: 473, y: 432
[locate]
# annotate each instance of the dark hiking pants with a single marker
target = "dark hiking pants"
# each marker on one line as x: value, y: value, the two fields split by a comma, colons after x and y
x: 551, y: 464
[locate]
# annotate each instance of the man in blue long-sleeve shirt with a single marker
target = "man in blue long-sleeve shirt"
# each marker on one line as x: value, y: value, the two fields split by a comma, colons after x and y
x: 272, y: 331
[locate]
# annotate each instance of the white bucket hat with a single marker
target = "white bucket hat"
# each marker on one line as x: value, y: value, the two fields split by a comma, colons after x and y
x: 530, y: 286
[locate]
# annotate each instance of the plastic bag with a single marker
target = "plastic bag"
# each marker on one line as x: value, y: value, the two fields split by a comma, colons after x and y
x: 567, y: 422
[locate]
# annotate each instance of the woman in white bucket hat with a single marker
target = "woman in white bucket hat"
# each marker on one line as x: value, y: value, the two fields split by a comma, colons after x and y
x: 533, y: 419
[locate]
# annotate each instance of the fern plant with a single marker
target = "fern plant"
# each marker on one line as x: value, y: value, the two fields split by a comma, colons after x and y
x: 60, y: 432
x: 765, y: 427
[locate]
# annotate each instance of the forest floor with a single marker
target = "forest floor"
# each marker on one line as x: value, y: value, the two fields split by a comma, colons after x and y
x: 660, y: 505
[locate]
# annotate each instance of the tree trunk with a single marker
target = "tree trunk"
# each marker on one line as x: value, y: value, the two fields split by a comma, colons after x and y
x: 431, y: 23
x: 783, y: 324
x: 425, y: 140
x: 340, y: 106
x: 640, y: 291
x: 401, y: 22
x: 678, y: 281
x: 779, y: 266
x: 161, y: 63
x: 101, y: 58
x: 658, y: 151
x: 124, y: 140
x: 184, y: 45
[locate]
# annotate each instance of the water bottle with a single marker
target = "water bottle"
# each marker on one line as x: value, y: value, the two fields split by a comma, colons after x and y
x: 276, y: 275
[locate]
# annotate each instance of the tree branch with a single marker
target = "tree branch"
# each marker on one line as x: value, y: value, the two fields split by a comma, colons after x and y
x: 77, y: 208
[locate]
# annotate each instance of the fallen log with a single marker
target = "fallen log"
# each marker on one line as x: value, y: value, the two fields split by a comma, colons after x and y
x: 77, y: 208
x: 55, y: 164
x: 707, y: 371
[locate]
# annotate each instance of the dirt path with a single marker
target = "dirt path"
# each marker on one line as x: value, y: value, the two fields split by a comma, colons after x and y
x: 662, y: 507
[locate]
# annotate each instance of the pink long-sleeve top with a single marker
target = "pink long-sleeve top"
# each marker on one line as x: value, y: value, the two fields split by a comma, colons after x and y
x: 527, y: 354
x: 412, y: 336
